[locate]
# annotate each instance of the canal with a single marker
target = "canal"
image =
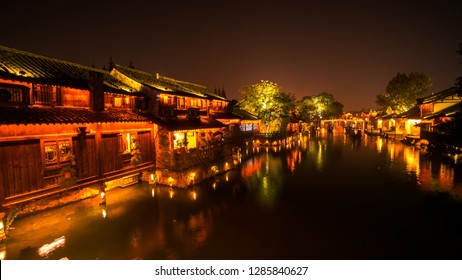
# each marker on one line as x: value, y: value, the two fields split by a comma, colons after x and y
x: 316, y: 198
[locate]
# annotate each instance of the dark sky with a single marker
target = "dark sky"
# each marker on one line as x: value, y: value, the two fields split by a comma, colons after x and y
x: 350, y: 49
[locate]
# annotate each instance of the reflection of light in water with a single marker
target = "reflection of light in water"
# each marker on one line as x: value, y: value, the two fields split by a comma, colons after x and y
x: 194, y: 195
x: 411, y: 158
x: 379, y: 144
x: 104, y: 213
x: 392, y: 151
x: 171, y: 192
x: 46, y: 249
x: 214, y: 185
x: 446, y: 177
x: 319, y: 157
x: 265, y: 186
x: 153, y: 192
x: 226, y: 178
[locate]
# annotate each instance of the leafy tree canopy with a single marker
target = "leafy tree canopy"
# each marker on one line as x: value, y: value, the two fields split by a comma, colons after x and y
x: 317, y: 107
x: 403, y: 90
x: 267, y: 101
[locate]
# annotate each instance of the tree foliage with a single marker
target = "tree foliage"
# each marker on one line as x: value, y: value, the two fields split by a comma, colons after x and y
x: 317, y: 107
x: 403, y: 90
x: 267, y: 101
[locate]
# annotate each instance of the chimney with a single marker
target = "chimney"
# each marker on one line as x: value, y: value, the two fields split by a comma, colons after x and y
x: 96, y: 85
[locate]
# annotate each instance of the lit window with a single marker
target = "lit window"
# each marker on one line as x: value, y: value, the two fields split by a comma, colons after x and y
x: 127, y: 142
x: 117, y: 102
x: 57, y: 152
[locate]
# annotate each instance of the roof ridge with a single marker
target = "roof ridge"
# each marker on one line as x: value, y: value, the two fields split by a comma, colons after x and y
x: 26, y: 53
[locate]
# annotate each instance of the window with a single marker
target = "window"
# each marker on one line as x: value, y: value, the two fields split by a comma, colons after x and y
x: 10, y: 95
x: 127, y: 142
x: 44, y: 95
x: 57, y: 152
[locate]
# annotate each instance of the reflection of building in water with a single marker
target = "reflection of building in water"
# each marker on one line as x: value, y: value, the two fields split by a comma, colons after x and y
x: 379, y: 144
x: 293, y: 157
x: 412, y: 160
x: 431, y: 175
x: 251, y: 166
x: 437, y: 176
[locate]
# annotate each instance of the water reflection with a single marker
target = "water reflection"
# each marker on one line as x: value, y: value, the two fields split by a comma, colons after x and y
x: 320, y: 197
x: 431, y: 174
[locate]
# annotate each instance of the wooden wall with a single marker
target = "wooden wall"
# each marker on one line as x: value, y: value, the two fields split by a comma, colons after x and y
x: 20, y: 167
x: 85, y: 156
x: 24, y: 176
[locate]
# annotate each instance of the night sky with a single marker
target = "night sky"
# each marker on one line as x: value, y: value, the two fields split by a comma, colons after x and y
x: 350, y: 49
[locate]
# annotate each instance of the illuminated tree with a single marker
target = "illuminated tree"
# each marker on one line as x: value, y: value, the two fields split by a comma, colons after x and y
x: 317, y: 107
x: 403, y: 90
x: 267, y: 101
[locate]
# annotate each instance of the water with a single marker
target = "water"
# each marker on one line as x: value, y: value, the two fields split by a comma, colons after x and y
x: 318, y: 198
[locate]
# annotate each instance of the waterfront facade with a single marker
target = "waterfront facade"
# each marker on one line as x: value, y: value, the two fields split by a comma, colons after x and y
x: 196, y: 126
x: 67, y: 128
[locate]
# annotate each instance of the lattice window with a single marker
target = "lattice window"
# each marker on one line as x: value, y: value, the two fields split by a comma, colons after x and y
x: 57, y: 152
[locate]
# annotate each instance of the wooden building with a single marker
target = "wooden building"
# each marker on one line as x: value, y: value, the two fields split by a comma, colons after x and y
x: 441, y: 115
x: 64, y: 127
x: 193, y: 141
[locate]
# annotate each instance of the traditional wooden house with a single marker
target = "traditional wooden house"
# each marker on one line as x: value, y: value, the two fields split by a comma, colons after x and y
x: 65, y: 126
x: 441, y: 117
x: 407, y: 125
x: 191, y: 143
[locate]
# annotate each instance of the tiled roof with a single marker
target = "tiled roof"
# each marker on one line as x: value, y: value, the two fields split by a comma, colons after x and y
x: 226, y: 116
x: 413, y: 113
x: 243, y: 114
x: 183, y: 123
x: 440, y: 95
x: 167, y: 84
x: 24, y: 66
x: 65, y: 115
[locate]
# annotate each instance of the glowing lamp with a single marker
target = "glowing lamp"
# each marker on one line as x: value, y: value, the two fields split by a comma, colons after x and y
x: 152, y: 179
x: 103, y: 197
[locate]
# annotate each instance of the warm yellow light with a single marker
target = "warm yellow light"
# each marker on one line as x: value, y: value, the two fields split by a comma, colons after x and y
x: 153, y: 192
x: 2, y: 255
x: 194, y: 195
x: 102, y: 194
x: 128, y: 142
x: 170, y: 181
x: 226, y: 177
x: 104, y: 213
x: 1, y: 225
x: 214, y: 186
x: 171, y: 192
